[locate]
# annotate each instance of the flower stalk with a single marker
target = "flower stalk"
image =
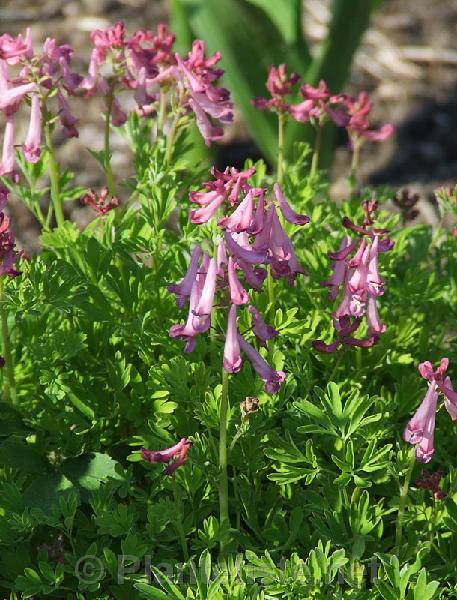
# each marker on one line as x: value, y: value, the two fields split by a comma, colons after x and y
x: 223, y: 477
x: 108, y: 168
x: 403, y: 500
x: 54, y: 176
x: 281, y: 123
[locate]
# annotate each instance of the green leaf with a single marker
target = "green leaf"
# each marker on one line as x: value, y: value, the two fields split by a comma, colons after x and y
x: 90, y: 470
x: 18, y: 454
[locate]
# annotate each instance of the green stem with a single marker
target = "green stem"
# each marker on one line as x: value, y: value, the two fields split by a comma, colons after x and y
x: 403, y: 499
x: 281, y: 123
x: 171, y: 137
x: 354, y: 166
x: 162, y: 111
x: 54, y: 175
x: 178, y: 522
x: 9, y: 381
x: 271, y: 301
x: 223, y: 477
x: 317, y: 149
x: 108, y: 168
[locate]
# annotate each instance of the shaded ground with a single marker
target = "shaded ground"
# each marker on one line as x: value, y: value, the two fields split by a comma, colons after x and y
x: 408, y: 62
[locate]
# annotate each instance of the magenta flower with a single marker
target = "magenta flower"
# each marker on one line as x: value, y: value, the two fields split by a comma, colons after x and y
x: 262, y: 331
x: 182, y: 290
x: 9, y: 154
x: 271, y: 378
x: 175, y: 456
x: 357, y: 278
x: 241, y: 218
x: 420, y: 428
x: 202, y: 310
x: 252, y: 236
x: 232, y: 358
x: 279, y: 84
x: 31, y: 147
x: 290, y: 215
x: 238, y: 294
x: 14, y: 49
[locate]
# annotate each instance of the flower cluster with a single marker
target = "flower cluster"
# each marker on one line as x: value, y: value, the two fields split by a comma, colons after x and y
x: 252, y: 239
x: 320, y: 105
x: 356, y: 275
x: 421, y: 427
x: 175, y: 456
x: 8, y: 253
x: 146, y: 64
x: 40, y: 77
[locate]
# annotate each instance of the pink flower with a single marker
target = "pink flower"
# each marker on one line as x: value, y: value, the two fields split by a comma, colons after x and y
x: 182, y: 290
x: 13, y: 50
x: 241, y: 218
x: 11, y: 98
x: 339, y: 269
x: 31, y: 147
x: 420, y: 429
x: 279, y: 84
x: 232, y: 358
x: 9, y: 154
x: 287, y: 212
x: 271, y: 378
x: 238, y: 294
x: 202, y: 311
x: 175, y: 456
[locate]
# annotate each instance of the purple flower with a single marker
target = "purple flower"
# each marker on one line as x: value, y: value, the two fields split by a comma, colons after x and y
x: 31, y: 147
x: 339, y: 269
x: 232, y: 358
x: 241, y: 218
x: 202, y: 310
x: 13, y: 50
x: 9, y: 154
x: 420, y: 429
x: 238, y: 294
x: 287, y: 212
x: 262, y: 331
x: 247, y: 255
x: 182, y: 290
x: 271, y: 378
x: 188, y: 332
x: 175, y: 456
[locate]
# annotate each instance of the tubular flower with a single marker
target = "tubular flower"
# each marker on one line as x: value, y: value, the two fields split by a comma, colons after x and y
x: 31, y: 147
x: 175, y: 456
x: 232, y: 358
x: 183, y: 290
x: 251, y: 236
x: 420, y: 429
x: 356, y: 277
x: 271, y: 378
